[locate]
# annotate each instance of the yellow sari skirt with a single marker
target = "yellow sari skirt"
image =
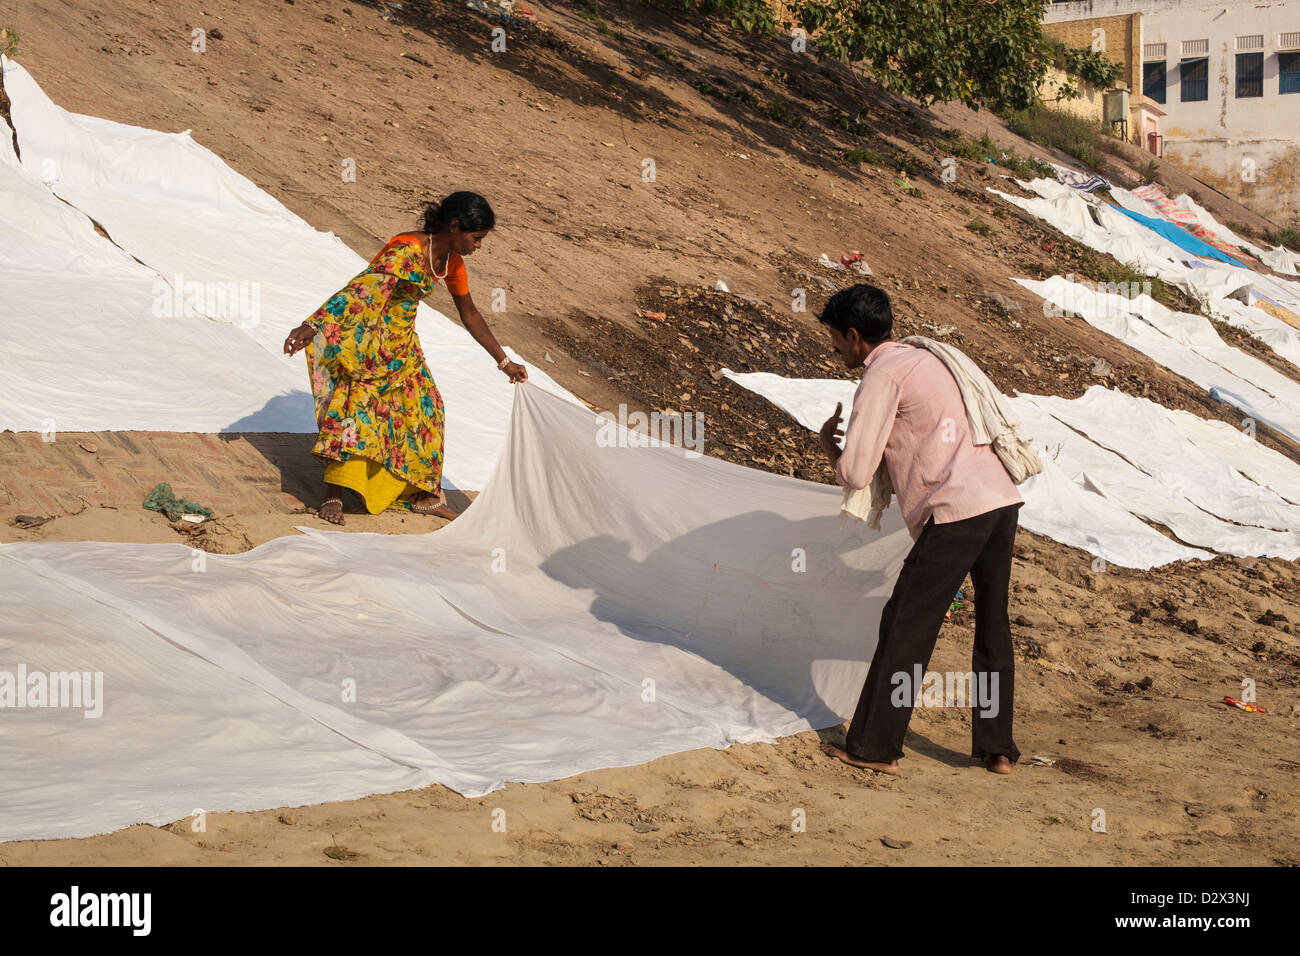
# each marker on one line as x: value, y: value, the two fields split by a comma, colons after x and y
x: 378, y: 487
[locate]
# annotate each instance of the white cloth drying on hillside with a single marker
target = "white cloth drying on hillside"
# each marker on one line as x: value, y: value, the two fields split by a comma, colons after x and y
x: 189, y: 218
x: 1185, y: 344
x: 1220, y: 285
x: 1159, y: 478
x: 594, y: 607
x: 86, y: 346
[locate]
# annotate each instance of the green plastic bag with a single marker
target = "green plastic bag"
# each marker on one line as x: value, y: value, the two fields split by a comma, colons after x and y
x: 162, y: 500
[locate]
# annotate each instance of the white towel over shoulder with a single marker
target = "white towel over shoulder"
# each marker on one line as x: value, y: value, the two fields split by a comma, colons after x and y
x: 991, y: 422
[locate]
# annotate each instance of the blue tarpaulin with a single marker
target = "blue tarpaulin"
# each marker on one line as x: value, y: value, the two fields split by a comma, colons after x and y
x: 1180, y: 237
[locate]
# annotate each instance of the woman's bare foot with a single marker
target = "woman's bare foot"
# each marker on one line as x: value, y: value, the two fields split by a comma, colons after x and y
x: 331, y: 510
x: 839, y: 753
x: 998, y: 763
x: 428, y: 504
x: 432, y: 505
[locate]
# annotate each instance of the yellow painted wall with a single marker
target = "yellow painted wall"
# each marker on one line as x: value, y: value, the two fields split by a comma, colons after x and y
x: 1123, y: 39
x: 1089, y: 104
x: 1122, y: 44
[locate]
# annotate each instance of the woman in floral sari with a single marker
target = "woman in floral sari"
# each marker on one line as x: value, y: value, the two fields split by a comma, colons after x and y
x: 379, y: 413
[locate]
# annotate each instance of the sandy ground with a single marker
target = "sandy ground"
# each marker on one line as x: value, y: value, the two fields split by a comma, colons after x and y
x: 1121, y: 674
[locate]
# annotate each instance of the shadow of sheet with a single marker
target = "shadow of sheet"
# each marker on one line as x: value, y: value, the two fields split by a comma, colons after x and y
x: 283, y: 431
x: 729, y: 593
x: 294, y: 412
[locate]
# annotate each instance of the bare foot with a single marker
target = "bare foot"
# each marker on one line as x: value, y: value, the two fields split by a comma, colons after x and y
x: 428, y: 504
x: 331, y: 510
x: 840, y: 753
x: 998, y: 763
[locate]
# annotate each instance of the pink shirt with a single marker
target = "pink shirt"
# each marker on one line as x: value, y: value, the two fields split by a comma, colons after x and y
x: 908, y: 409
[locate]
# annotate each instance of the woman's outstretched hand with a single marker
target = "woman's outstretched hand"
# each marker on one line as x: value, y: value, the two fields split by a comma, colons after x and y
x: 515, y: 371
x: 299, y: 338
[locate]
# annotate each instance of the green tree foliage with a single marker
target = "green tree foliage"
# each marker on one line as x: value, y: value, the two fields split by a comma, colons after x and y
x: 756, y: 16
x: 980, y: 52
x: 1094, y: 67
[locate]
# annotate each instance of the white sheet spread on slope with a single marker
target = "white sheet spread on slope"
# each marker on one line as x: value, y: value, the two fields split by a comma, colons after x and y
x: 1278, y: 258
x: 1094, y: 471
x: 83, y: 347
x: 1134, y: 203
x: 178, y: 208
x: 1140, y: 248
x: 1258, y: 462
x: 1058, y: 508
x: 1185, y: 344
x: 1139, y: 432
x: 515, y: 644
x: 1169, y: 467
x: 176, y: 733
x: 1282, y: 290
x: 1152, y: 483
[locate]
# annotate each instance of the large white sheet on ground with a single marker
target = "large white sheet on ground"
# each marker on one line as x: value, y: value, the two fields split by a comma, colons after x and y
x: 1113, y: 459
x: 1138, y: 469
x: 85, y: 349
x: 595, y: 606
x: 1278, y: 258
x: 1221, y: 285
x: 1185, y: 344
x: 1238, y: 446
x: 180, y: 210
x: 1139, y: 431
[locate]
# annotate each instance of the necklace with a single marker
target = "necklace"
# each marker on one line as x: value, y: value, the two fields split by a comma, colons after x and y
x: 446, y: 263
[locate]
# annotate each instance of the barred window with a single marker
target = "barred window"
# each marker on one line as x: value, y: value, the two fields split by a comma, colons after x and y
x: 1153, y: 80
x: 1195, y: 79
x: 1288, y: 72
x: 1250, y: 74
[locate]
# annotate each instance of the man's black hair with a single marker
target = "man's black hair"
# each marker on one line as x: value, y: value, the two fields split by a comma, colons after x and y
x: 862, y: 307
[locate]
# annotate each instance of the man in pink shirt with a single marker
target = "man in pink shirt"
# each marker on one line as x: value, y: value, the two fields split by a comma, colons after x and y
x: 960, y: 507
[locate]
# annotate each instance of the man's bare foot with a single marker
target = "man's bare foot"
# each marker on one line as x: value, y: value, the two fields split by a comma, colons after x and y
x: 331, y: 510
x: 428, y: 504
x: 840, y: 753
x: 998, y: 763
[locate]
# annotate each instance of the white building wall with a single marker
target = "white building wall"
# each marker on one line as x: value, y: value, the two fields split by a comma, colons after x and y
x: 1248, y: 147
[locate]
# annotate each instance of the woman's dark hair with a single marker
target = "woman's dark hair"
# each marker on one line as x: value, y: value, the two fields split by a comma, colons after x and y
x: 862, y: 307
x: 469, y: 209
